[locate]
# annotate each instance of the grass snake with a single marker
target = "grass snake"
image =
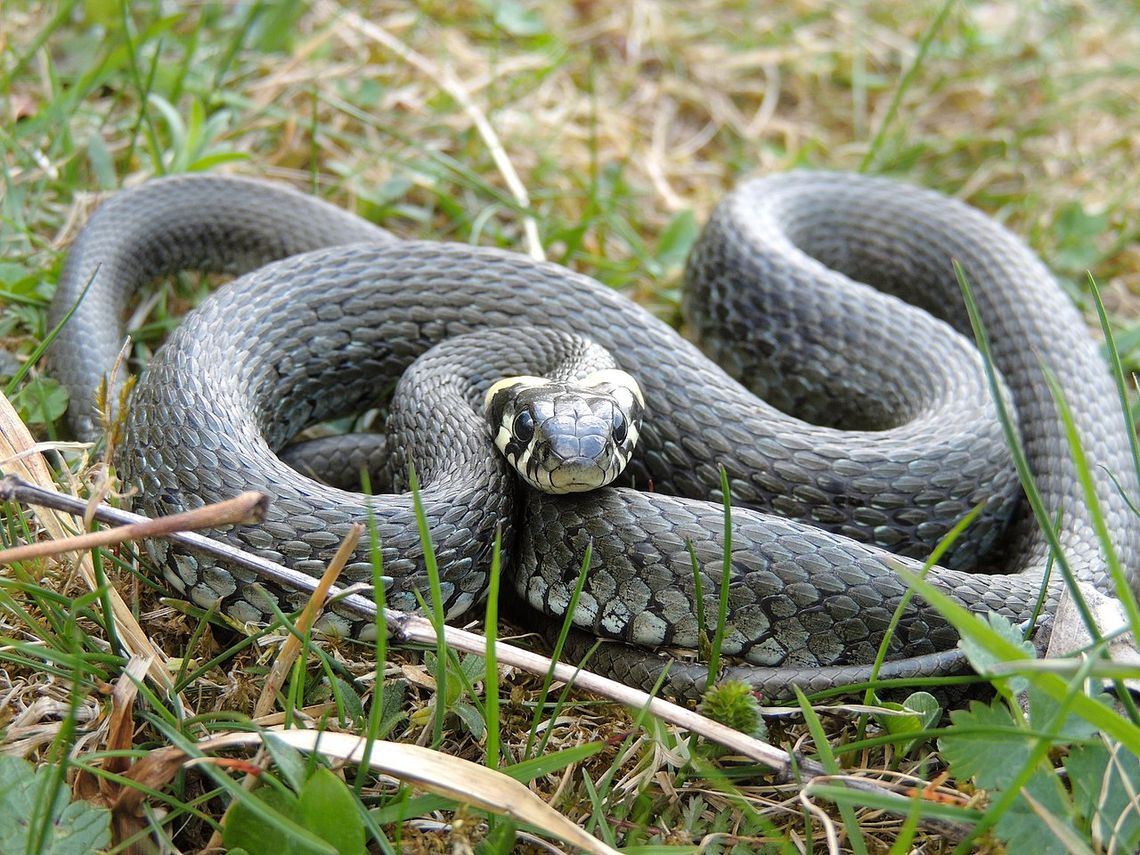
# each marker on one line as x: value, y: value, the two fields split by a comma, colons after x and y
x: 852, y: 420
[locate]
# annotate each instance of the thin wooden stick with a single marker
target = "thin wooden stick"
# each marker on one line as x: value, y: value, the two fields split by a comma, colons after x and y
x: 16, y: 489
x: 246, y: 509
x: 292, y: 646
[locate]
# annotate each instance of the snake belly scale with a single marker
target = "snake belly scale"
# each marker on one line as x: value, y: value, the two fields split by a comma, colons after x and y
x: 853, y: 420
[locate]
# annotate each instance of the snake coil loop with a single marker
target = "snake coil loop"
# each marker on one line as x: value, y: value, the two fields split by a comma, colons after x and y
x: 853, y: 420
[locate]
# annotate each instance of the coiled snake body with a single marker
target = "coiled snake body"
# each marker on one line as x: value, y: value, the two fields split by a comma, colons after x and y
x: 848, y: 421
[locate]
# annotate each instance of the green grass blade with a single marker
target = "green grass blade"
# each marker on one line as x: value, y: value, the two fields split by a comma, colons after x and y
x: 827, y: 758
x: 60, y: 17
x: 905, y: 83
x: 1084, y: 474
x: 935, y: 556
x: 143, y: 90
x: 559, y: 645
x: 725, y: 577
x: 1046, y: 576
x: 39, y: 350
x: 1118, y: 373
x: 491, y: 673
x: 1017, y: 452
x: 435, y: 613
x: 376, y: 708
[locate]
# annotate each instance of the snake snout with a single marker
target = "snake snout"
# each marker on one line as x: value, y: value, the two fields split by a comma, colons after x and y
x: 576, y: 452
x: 570, y: 438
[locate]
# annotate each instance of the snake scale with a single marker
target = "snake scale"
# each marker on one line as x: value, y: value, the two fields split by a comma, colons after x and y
x: 832, y: 382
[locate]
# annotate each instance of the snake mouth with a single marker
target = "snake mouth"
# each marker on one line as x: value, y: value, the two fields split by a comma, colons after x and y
x: 578, y: 475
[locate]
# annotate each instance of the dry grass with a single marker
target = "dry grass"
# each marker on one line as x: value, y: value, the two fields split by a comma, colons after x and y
x: 604, y: 123
x: 1022, y: 110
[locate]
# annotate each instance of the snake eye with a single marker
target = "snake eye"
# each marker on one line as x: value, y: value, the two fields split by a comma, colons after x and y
x: 619, y: 427
x: 523, y: 426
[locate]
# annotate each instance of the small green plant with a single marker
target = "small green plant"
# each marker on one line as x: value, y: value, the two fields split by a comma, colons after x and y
x: 457, y: 694
x: 733, y: 703
x: 1007, y: 753
x: 918, y: 712
x: 36, y: 814
x: 40, y: 401
x: 315, y: 813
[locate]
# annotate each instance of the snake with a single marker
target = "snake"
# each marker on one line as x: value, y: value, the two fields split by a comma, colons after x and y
x: 827, y: 388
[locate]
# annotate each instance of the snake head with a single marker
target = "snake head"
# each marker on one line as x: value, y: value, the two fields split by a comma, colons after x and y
x: 566, y: 437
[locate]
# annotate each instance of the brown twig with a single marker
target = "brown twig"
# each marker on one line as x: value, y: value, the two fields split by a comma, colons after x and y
x: 292, y: 646
x: 16, y: 489
x: 246, y: 509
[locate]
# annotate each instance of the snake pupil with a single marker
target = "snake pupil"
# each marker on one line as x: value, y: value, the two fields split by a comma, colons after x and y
x: 523, y: 427
x: 619, y: 427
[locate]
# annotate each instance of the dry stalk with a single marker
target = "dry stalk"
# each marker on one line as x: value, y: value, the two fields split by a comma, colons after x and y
x: 451, y: 85
x: 246, y: 509
x: 15, y: 440
x: 292, y: 645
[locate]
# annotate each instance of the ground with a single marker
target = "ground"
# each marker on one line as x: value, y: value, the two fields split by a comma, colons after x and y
x: 599, y: 135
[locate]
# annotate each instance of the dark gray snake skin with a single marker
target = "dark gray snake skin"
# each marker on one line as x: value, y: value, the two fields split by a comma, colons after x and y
x: 865, y: 426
